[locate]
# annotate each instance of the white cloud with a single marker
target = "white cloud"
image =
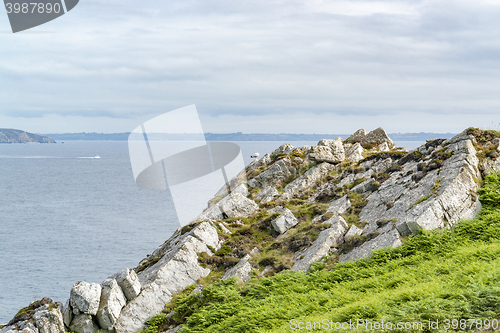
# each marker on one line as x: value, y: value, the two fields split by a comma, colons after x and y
x: 125, y: 61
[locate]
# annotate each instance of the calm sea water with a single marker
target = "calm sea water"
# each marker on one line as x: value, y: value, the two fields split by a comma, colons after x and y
x: 65, y: 217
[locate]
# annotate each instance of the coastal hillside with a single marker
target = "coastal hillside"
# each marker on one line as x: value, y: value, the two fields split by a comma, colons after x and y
x: 347, y: 229
x: 18, y: 136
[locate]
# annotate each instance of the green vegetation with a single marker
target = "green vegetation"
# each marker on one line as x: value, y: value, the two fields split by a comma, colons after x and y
x: 451, y: 274
x: 257, y: 231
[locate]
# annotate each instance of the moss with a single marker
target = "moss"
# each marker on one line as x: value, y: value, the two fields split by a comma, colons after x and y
x: 148, y: 264
x: 419, y: 201
x: 187, y: 228
x: 394, y: 168
x: 483, y: 136
x: 434, y: 143
x: 394, y: 155
x: 381, y: 177
x: 354, y: 241
x: 414, y: 156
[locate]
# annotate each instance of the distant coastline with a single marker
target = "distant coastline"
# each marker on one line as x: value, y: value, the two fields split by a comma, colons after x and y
x: 239, y: 136
x: 9, y: 135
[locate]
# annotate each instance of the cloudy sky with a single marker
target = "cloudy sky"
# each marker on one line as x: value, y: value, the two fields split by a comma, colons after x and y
x: 294, y: 66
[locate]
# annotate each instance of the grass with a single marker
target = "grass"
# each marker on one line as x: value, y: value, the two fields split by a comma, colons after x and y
x: 450, y: 274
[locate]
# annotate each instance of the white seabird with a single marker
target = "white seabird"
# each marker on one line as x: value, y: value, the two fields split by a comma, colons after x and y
x: 256, y: 156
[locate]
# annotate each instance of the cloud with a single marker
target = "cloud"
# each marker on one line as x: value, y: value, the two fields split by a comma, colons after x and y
x: 261, y: 60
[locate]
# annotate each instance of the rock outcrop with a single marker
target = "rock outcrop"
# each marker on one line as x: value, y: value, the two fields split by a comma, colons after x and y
x: 376, y: 137
x: 339, y: 200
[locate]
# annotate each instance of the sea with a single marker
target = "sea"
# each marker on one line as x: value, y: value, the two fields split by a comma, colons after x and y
x: 66, y: 216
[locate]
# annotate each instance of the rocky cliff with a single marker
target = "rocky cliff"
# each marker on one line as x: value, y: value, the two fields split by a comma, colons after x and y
x: 18, y: 136
x: 334, y: 202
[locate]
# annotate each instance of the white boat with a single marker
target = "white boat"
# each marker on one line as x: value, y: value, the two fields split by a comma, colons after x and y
x: 97, y: 156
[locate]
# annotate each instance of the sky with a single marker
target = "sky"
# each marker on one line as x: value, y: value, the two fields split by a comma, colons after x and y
x: 261, y: 66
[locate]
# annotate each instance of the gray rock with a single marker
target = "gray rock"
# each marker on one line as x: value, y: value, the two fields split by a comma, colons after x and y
x: 26, y: 327
x: 306, y: 181
x: 264, y: 161
x: 388, y: 239
x: 366, y: 186
x: 49, y: 320
x: 336, y: 219
x: 339, y: 206
x: 224, y: 228
x: 283, y: 222
x: 255, y: 250
x: 177, y: 269
x: 85, y: 297
x: 283, y: 149
x: 83, y: 323
x: 112, y: 302
x: 67, y: 313
x: 331, y: 237
x: 274, y: 175
x: 266, y: 270
x: 233, y: 205
x: 241, y: 189
x: 353, y: 231
x: 336, y: 146
x: 383, y: 147
x: 325, y: 154
x: 267, y: 194
x: 241, y: 270
x: 375, y: 137
x: 354, y: 153
x: 9, y: 329
x: 236, y: 205
x: 129, y: 282
x: 298, y: 160
x: 440, y: 199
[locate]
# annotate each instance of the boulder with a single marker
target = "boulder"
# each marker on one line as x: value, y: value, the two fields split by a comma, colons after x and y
x: 49, y: 320
x: 366, y: 186
x: 353, y: 231
x: 241, y: 270
x: 331, y: 237
x: 129, y: 282
x: 84, y: 297
x: 376, y: 137
x: 283, y: 149
x: 112, y: 302
x: 233, y: 205
x: 354, y: 153
x: 306, y: 181
x: 278, y: 172
x: 224, y: 229
x: 236, y: 205
x: 383, y: 147
x: 357, y: 136
x: 267, y: 194
x: 67, y: 313
x: 26, y: 327
x: 285, y: 221
x: 325, y: 154
x: 388, y: 239
x: 176, y: 269
x: 83, y: 323
x: 339, y: 206
x: 336, y: 146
